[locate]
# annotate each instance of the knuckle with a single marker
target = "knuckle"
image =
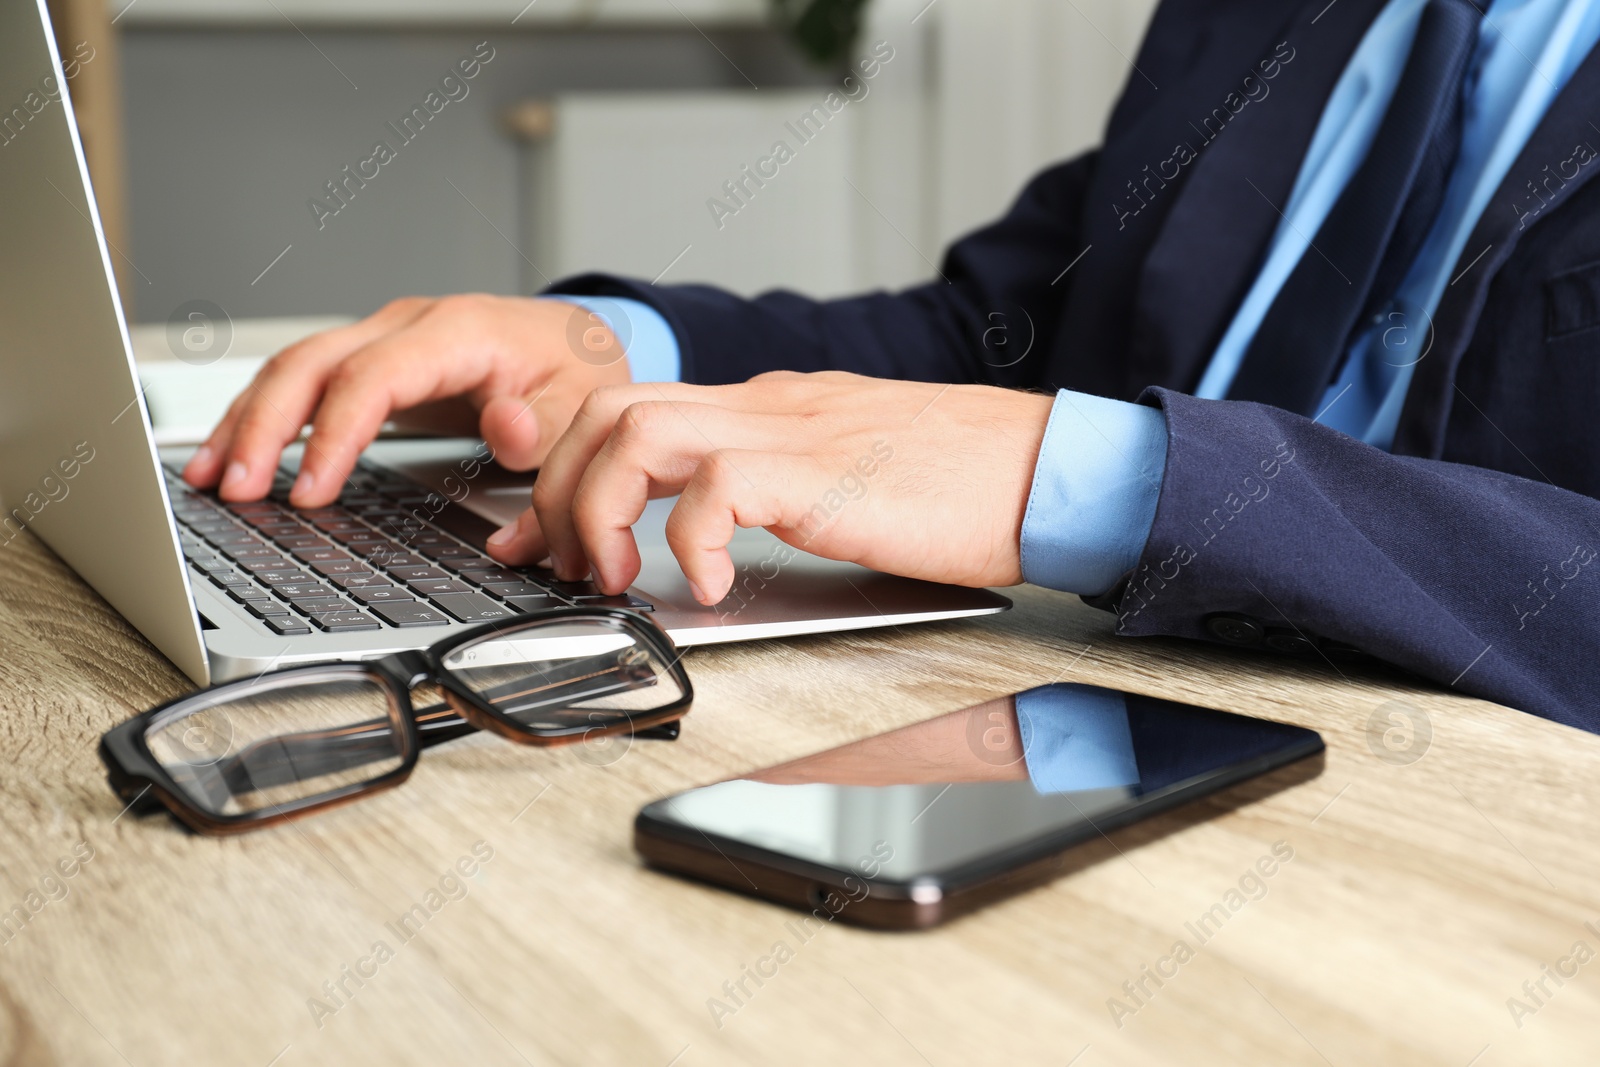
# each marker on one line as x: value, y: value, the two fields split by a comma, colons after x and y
x: 458, y: 305
x: 355, y: 373
x: 300, y: 359
x: 639, y: 422
x: 405, y: 305
x: 678, y: 531
x: 587, y: 511
x: 605, y: 398
x: 544, y: 496
x: 716, y: 470
x: 257, y: 423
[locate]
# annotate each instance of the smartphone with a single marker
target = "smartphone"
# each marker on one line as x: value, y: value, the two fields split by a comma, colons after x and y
x: 914, y: 827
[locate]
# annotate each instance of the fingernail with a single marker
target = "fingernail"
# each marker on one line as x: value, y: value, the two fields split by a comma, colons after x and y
x: 236, y: 475
x: 303, y: 484
x: 503, y: 536
x: 699, y: 594
x: 201, y: 458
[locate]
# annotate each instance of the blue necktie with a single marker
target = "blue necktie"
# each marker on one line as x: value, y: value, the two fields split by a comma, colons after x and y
x: 1375, y: 229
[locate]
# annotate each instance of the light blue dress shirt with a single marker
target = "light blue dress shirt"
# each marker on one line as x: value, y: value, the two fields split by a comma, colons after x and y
x: 1075, y: 738
x: 648, y: 343
x: 1526, y: 51
x: 1098, y: 478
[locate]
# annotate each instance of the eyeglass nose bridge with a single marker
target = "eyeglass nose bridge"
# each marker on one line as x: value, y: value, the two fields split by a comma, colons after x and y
x: 411, y: 667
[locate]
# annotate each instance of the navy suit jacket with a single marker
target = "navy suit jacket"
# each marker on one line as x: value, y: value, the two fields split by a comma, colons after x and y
x: 1468, y: 555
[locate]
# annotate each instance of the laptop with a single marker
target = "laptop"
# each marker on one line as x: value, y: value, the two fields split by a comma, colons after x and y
x: 231, y: 590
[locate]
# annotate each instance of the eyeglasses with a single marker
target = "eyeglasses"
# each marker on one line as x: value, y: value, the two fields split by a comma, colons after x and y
x: 246, y: 754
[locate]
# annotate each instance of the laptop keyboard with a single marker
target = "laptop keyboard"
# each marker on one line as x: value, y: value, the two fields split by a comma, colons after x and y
x: 382, y: 557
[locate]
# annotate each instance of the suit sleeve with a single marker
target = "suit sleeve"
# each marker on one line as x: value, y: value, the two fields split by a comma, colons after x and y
x: 1272, y: 530
x: 995, y: 296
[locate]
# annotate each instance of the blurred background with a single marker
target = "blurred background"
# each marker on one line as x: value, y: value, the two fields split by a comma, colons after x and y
x: 594, y: 134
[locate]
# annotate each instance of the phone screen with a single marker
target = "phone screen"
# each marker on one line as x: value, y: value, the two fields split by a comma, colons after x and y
x: 952, y: 798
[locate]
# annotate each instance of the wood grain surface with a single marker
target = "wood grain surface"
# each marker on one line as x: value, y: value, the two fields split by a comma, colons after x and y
x: 1434, y: 871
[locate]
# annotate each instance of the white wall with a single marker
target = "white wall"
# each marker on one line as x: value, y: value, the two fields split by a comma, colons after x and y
x: 980, y: 95
x: 1022, y: 83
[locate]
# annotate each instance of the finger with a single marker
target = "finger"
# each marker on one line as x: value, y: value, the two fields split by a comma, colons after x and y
x: 520, y: 430
x: 571, y: 455
x: 319, y: 351
x: 654, y: 451
x: 243, y: 450
x: 735, y: 488
x: 521, y: 543
x: 430, y: 359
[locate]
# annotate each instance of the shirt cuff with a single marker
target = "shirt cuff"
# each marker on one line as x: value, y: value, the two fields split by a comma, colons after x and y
x: 1094, y: 493
x: 647, y: 341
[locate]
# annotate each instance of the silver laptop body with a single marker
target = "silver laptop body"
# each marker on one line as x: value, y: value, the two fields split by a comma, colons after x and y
x: 80, y: 470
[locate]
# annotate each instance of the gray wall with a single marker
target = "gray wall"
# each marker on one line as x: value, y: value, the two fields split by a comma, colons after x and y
x: 231, y: 132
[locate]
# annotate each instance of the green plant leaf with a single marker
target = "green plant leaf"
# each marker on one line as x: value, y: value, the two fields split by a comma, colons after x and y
x: 825, y: 30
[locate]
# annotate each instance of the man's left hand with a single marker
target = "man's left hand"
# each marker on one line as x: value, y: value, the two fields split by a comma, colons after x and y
x: 926, y: 481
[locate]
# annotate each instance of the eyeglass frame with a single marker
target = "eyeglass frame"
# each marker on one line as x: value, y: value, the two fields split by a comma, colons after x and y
x: 134, y: 772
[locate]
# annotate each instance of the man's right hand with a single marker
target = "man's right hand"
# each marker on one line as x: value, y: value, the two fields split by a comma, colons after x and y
x: 524, y: 364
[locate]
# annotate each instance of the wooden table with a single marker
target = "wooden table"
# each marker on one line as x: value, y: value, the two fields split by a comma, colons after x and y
x: 1422, y: 892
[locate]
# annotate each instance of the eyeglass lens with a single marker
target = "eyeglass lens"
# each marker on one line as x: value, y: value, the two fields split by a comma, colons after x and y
x: 566, y: 674
x: 278, y: 745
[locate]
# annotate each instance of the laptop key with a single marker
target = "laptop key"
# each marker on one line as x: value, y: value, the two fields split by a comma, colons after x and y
x: 488, y: 575
x: 363, y: 580
x: 285, y: 625
x: 410, y: 613
x: 338, y: 622
x: 632, y: 603
x: 466, y: 563
x: 399, y: 559
x: 303, y: 590
x: 321, y: 605
x: 380, y: 594
x: 303, y: 539
x: 266, y: 609
x: 472, y: 607
x: 255, y: 550
x: 359, y: 536
x: 341, y: 567
x: 274, y: 562
x: 526, y: 604
x: 263, y: 518
x: 319, y: 555
x: 284, y: 576
x: 435, y: 586
x: 385, y: 553
x: 576, y: 589
x: 416, y: 574
x: 451, y: 551
x: 510, y: 589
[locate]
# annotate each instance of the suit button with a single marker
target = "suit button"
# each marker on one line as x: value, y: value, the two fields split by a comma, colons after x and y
x: 1235, y: 629
x: 1291, y: 644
